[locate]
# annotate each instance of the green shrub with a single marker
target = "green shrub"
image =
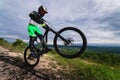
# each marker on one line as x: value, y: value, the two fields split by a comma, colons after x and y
x: 19, y: 45
x: 4, y: 43
x: 104, y: 58
x: 18, y: 42
x: 84, y: 69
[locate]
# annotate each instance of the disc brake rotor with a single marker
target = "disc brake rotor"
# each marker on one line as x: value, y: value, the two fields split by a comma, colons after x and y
x: 70, y: 41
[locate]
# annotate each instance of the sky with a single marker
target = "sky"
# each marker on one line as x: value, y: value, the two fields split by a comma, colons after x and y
x: 98, y: 19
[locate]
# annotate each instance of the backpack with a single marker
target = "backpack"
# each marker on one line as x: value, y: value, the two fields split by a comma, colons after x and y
x: 36, y: 17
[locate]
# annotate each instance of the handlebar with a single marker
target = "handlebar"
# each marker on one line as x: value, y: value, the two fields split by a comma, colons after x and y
x: 46, y: 27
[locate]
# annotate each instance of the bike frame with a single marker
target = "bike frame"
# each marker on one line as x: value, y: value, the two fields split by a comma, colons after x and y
x: 41, y: 47
x: 45, y: 36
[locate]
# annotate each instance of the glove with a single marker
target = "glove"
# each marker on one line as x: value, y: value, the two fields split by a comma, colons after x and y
x: 46, y: 27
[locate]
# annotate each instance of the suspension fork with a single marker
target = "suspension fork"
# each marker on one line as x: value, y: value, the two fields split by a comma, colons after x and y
x: 55, y: 32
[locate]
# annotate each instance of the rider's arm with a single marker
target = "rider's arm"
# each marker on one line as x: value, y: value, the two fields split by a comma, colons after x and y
x: 45, y: 26
x: 36, y: 17
x: 42, y: 22
x: 33, y: 15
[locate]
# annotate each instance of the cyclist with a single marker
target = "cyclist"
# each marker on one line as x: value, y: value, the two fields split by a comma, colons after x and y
x: 33, y: 30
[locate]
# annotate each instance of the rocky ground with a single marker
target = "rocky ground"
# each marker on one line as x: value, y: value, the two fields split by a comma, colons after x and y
x: 12, y: 67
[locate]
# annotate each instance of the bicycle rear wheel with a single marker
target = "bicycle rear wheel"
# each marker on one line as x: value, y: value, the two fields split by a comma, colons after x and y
x: 32, y: 62
x: 76, y: 42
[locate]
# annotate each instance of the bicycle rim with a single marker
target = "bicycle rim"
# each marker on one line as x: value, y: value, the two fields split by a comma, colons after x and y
x: 30, y: 61
x: 76, y: 46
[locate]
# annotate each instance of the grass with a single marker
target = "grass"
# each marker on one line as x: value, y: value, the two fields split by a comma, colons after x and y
x: 17, y: 46
x: 87, y: 69
x: 4, y: 43
x: 90, y: 66
x: 103, y: 58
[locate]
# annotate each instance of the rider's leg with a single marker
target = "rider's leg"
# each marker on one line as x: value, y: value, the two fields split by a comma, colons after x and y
x: 35, y: 31
x: 43, y: 43
x: 31, y: 29
x: 31, y: 45
x: 40, y: 36
x: 31, y: 42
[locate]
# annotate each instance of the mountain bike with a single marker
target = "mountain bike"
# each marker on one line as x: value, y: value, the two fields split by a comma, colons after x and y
x: 69, y: 42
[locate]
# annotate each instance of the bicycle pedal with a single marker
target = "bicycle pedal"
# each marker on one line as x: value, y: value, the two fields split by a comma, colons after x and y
x: 31, y: 58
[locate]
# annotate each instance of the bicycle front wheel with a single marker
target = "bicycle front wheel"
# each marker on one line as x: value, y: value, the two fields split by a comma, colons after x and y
x: 32, y: 62
x: 76, y: 42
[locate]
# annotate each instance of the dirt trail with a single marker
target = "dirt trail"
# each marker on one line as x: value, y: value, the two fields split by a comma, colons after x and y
x: 12, y: 67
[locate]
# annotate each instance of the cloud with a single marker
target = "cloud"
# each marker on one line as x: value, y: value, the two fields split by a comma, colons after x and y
x: 98, y: 19
x: 113, y: 20
x: 14, y: 14
x: 9, y: 36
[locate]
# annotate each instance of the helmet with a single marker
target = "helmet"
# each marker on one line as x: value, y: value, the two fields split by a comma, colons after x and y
x: 42, y: 9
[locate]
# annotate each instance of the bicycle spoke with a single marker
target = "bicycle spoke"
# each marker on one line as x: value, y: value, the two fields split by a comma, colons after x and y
x: 31, y: 61
x: 73, y: 45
